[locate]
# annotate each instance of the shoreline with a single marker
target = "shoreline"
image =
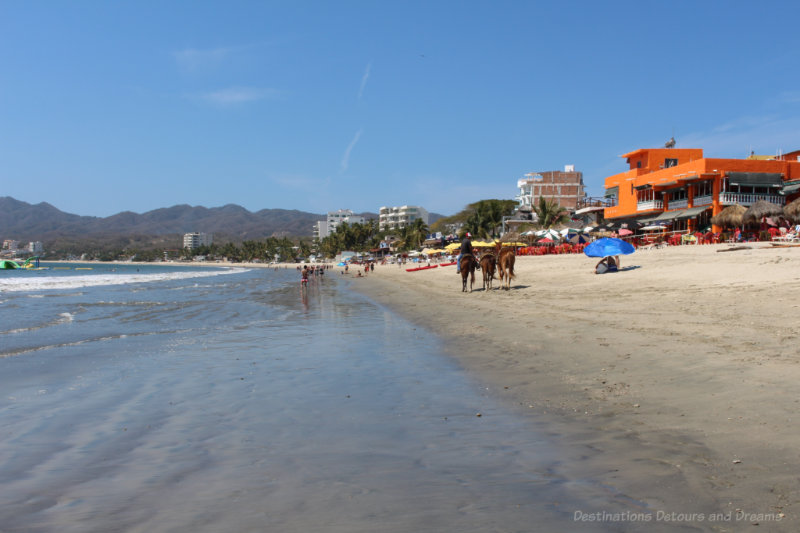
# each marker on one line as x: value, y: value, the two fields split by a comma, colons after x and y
x: 185, y: 263
x: 673, y: 381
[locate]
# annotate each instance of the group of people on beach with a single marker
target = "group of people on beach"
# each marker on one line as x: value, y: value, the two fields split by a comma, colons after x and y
x: 307, y: 273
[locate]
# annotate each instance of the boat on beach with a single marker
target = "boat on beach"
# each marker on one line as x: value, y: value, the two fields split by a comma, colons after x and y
x: 427, y: 267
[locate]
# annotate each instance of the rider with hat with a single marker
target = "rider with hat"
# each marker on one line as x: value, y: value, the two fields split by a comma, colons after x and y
x: 466, y: 249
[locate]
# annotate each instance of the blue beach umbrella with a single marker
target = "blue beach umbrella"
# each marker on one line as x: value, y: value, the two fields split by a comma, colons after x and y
x: 608, y: 246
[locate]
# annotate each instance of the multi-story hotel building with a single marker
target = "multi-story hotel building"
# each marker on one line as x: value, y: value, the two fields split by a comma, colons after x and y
x: 392, y: 218
x: 35, y: 247
x: 565, y: 187
x: 196, y: 240
x: 682, y: 188
x: 323, y: 228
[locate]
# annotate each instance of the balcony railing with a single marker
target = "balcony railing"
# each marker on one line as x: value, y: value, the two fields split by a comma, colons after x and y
x: 596, y: 202
x: 702, y: 200
x: 679, y: 204
x: 652, y: 204
x: 730, y: 198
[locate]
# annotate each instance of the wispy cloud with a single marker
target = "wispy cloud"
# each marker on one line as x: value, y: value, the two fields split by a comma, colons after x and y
x: 193, y: 59
x: 235, y: 95
x: 346, y: 157
x: 364, y: 80
x: 765, y: 134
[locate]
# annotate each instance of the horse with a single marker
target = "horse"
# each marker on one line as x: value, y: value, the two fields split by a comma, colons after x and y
x: 488, y: 263
x: 468, y: 263
x: 505, y: 265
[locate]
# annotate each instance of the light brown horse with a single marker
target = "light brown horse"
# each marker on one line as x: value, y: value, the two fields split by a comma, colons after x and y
x: 468, y: 263
x: 488, y: 263
x: 505, y: 265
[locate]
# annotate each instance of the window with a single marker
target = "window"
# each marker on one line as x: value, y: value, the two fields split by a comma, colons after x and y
x: 677, y: 194
x: 704, y: 188
x: 670, y: 163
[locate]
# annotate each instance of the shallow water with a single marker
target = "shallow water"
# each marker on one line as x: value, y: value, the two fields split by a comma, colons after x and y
x: 238, y: 401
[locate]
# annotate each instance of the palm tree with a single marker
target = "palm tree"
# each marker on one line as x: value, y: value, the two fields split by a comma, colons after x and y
x: 304, y: 248
x: 486, y: 217
x: 231, y: 252
x: 550, y: 213
x: 418, y: 231
x: 403, y: 234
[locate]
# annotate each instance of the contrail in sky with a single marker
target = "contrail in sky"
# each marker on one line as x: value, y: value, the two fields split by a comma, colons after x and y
x: 364, y: 79
x: 346, y: 157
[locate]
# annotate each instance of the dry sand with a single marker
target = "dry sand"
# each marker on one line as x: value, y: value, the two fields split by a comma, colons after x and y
x: 675, y: 380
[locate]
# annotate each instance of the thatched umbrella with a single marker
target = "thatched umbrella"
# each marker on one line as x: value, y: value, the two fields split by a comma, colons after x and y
x: 792, y: 210
x: 759, y: 210
x: 730, y: 217
x: 511, y: 236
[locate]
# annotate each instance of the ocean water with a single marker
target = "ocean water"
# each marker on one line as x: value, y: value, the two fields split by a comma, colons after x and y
x: 164, y: 399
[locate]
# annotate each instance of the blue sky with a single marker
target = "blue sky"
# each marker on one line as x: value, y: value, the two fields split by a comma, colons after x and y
x: 317, y: 106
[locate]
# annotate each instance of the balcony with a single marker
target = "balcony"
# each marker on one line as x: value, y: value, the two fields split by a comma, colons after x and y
x: 679, y: 204
x: 650, y: 205
x: 702, y: 200
x: 590, y: 201
x: 730, y: 198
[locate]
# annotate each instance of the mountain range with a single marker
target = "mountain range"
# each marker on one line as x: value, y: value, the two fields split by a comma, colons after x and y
x: 43, y: 222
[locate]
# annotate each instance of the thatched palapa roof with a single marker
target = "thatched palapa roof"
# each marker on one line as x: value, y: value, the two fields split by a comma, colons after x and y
x: 759, y: 210
x: 729, y: 217
x: 792, y: 210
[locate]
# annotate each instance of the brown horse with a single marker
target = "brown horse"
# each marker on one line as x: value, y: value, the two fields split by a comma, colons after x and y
x: 468, y: 263
x: 488, y: 263
x: 505, y: 265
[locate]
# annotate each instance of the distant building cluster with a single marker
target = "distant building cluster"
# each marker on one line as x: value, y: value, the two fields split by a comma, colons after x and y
x: 323, y: 228
x: 392, y: 218
x: 196, y: 240
x: 13, y: 248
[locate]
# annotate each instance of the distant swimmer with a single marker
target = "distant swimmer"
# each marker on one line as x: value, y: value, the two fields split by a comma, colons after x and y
x: 304, y: 275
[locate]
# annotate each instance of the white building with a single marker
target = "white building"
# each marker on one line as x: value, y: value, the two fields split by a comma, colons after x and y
x: 35, y: 247
x: 323, y: 228
x: 196, y: 240
x: 10, y: 244
x: 397, y: 217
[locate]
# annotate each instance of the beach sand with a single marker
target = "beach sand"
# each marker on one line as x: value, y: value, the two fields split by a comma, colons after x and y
x: 674, y: 381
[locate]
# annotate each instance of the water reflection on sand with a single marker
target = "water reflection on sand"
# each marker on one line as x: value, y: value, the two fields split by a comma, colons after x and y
x: 264, y: 410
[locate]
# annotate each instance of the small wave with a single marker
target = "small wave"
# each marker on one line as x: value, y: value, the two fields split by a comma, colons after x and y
x: 63, y: 318
x: 33, y: 349
x: 23, y: 284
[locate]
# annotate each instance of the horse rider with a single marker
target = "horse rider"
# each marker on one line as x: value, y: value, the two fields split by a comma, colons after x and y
x: 466, y: 249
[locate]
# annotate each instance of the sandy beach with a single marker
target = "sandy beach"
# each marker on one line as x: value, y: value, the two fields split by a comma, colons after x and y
x: 673, y: 381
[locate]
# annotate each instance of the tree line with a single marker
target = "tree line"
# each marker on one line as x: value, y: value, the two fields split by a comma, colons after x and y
x: 483, y: 219
x: 267, y: 250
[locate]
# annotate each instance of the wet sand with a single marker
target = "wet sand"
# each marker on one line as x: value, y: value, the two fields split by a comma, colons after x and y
x: 245, y: 403
x: 673, y: 381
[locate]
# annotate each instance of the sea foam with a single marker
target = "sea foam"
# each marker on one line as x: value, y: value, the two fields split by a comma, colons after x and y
x: 24, y: 283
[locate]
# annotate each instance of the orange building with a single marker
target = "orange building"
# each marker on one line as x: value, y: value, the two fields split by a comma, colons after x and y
x: 681, y: 188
